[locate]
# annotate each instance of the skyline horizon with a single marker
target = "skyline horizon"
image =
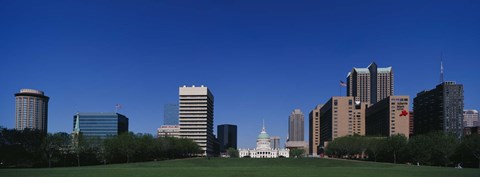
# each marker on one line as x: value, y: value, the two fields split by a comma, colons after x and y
x: 261, y: 59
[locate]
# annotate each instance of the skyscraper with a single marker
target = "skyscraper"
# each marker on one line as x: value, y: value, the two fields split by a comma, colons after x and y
x: 314, y: 130
x: 170, y: 114
x: 227, y: 136
x: 31, y: 110
x: 99, y: 125
x: 275, y: 142
x: 296, y: 126
x: 470, y: 118
x: 196, y: 116
x: 439, y: 109
x: 371, y: 84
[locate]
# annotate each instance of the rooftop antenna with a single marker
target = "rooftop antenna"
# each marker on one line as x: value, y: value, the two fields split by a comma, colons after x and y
x: 441, y: 68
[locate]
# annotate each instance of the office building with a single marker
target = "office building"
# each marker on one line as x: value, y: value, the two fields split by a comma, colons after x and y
x: 341, y: 116
x: 169, y: 131
x: 99, y: 125
x: 170, y: 114
x: 31, y: 110
x: 227, y: 136
x: 411, y: 123
x: 296, y: 126
x: 196, y: 116
x: 439, y: 109
x: 275, y: 142
x: 389, y: 116
x: 470, y: 118
x: 371, y: 84
x: 314, y: 131
x: 264, y: 148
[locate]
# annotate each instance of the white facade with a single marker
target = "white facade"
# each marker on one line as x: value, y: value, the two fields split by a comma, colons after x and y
x: 264, y: 149
x: 169, y: 131
x: 196, y: 116
x: 470, y: 118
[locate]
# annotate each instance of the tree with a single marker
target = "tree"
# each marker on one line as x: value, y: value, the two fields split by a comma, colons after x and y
x: 297, y: 153
x: 232, y: 152
x: 55, y: 145
x: 374, y: 146
x: 395, y: 144
x: 472, y: 143
x: 420, y: 149
x: 443, y: 147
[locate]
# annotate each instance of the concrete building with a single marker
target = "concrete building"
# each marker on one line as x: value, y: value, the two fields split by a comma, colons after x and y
x: 227, y: 137
x: 196, y: 117
x: 264, y: 149
x: 388, y: 117
x: 99, y: 125
x: 411, y: 122
x: 170, y: 114
x: 314, y: 131
x: 439, y: 109
x: 470, y: 118
x: 31, y: 110
x: 296, y: 123
x: 371, y: 84
x: 169, y: 131
x: 467, y: 131
x: 275, y: 142
x: 341, y: 116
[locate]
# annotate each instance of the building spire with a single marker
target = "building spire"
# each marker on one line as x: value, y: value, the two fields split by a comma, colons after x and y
x: 441, y: 68
x: 263, y: 125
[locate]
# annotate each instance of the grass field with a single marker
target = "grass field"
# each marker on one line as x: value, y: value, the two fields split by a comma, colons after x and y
x: 246, y: 167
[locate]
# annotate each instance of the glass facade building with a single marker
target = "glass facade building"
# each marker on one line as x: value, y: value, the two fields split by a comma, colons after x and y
x: 100, y: 125
x: 170, y: 114
x: 227, y: 136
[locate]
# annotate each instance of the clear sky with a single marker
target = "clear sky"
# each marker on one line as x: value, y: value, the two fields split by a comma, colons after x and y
x: 261, y: 59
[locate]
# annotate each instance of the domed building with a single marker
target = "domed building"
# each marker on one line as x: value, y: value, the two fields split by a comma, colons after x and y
x: 263, y: 150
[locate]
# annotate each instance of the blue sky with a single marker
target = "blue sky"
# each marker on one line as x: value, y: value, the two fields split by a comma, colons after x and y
x: 261, y: 60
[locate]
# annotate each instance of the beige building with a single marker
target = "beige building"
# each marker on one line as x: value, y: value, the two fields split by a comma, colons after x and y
x: 31, y: 110
x: 314, y: 130
x: 169, y: 131
x: 341, y: 116
x: 196, y: 116
x: 371, y: 84
x: 389, y: 116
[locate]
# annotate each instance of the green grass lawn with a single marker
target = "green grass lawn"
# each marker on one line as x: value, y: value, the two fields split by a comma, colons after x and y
x: 248, y: 168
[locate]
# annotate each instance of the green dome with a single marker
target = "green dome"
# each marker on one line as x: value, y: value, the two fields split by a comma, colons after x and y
x: 263, y: 135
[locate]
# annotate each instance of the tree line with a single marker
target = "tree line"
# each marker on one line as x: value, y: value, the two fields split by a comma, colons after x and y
x: 437, y: 149
x: 32, y: 148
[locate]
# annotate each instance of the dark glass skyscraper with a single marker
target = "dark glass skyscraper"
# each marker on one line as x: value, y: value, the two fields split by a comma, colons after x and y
x: 170, y: 114
x: 227, y: 136
x: 99, y: 125
x: 296, y: 126
x: 439, y: 109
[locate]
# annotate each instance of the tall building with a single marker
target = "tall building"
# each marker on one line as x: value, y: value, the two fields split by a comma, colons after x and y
x: 31, y: 110
x: 227, y: 136
x: 439, y: 109
x: 196, y: 116
x: 170, y: 114
x: 296, y: 126
x: 470, y: 118
x: 314, y: 130
x: 371, y: 84
x: 411, y: 122
x: 275, y: 142
x: 341, y: 116
x: 169, y: 131
x: 99, y: 125
x: 388, y: 117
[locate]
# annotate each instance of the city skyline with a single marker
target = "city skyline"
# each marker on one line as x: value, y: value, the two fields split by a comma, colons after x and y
x: 260, y: 59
